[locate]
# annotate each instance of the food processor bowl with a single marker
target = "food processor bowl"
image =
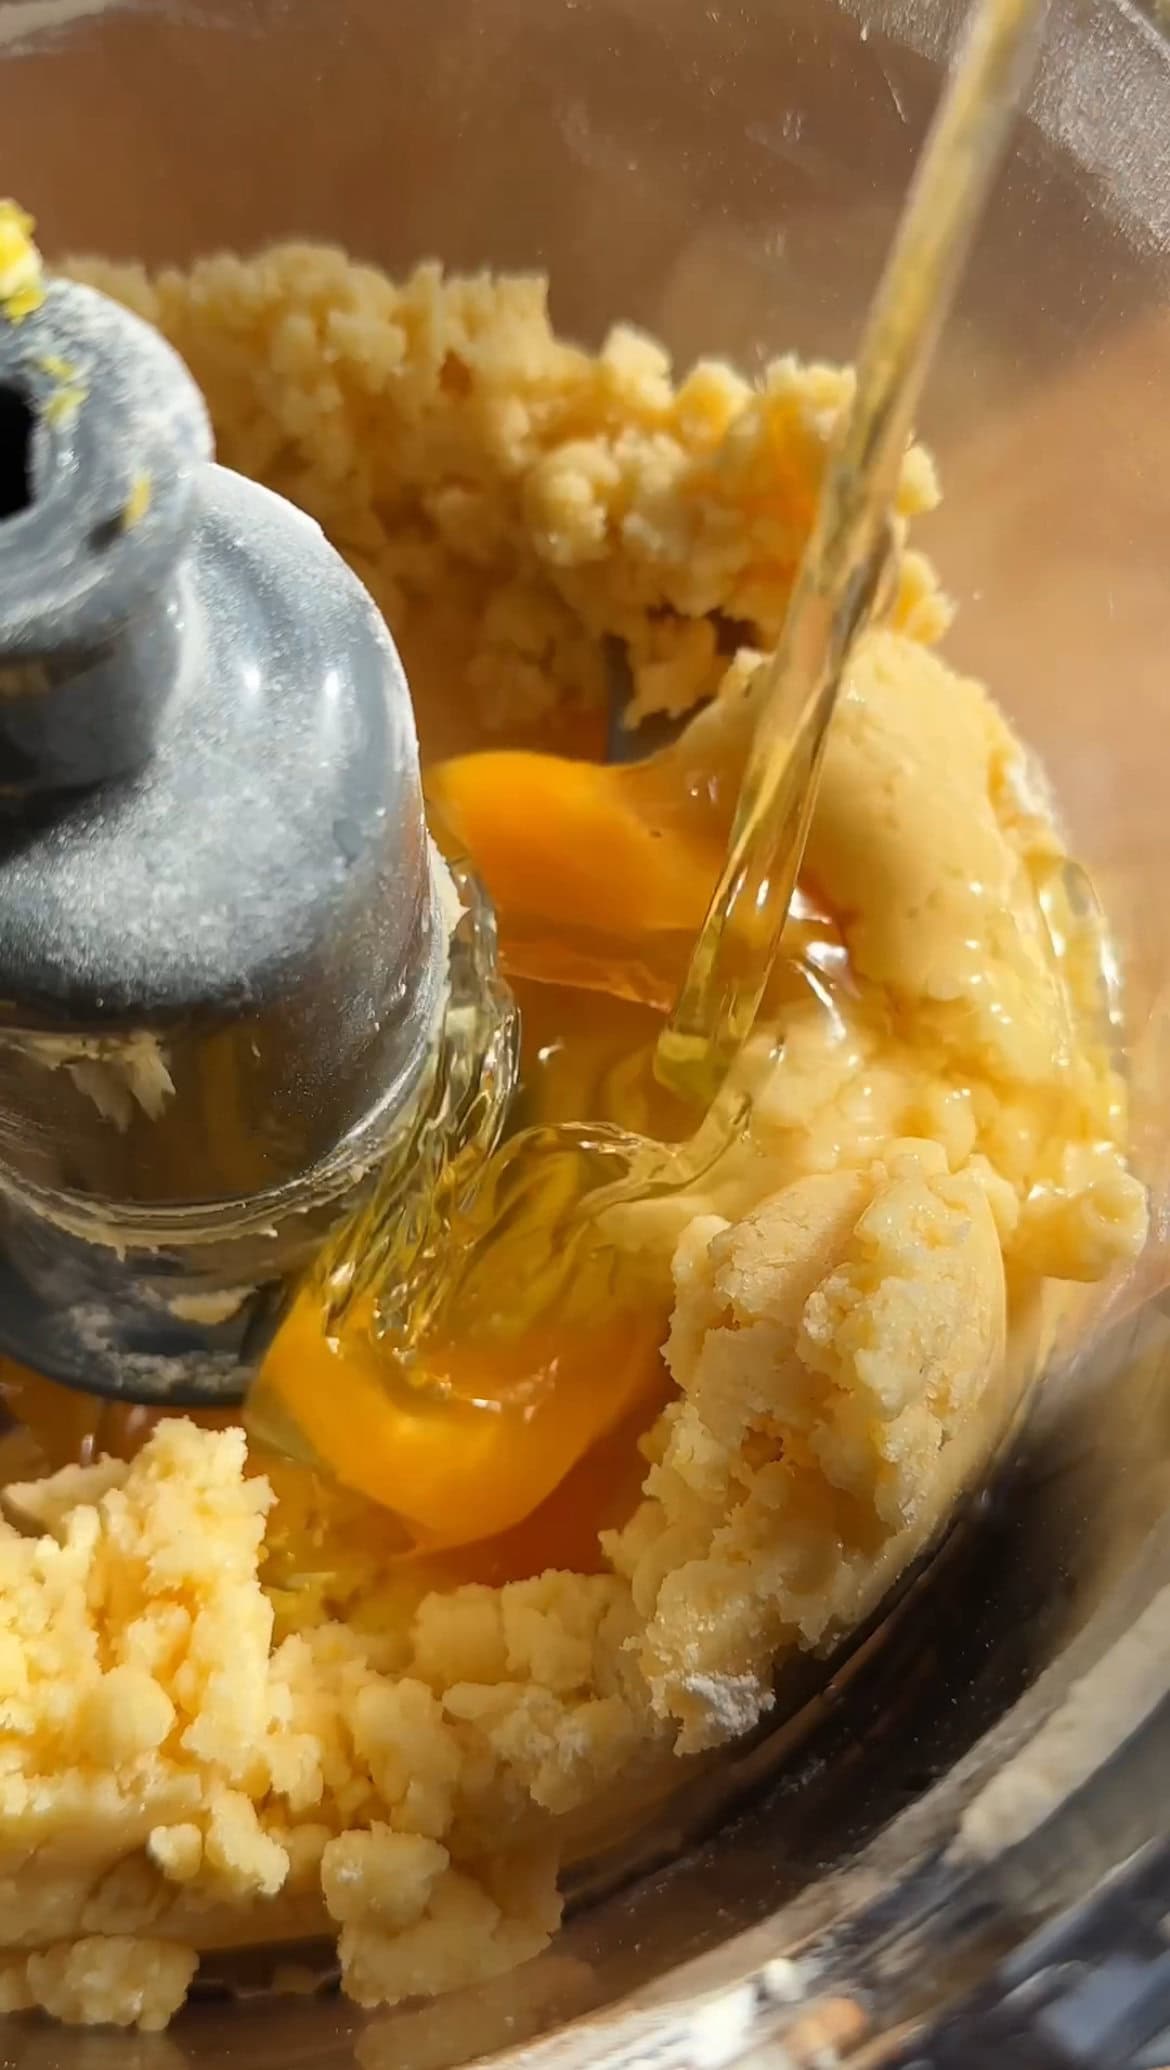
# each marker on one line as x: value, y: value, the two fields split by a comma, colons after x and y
x: 727, y: 175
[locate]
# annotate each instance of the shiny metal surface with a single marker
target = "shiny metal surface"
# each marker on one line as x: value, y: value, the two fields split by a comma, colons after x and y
x: 728, y: 175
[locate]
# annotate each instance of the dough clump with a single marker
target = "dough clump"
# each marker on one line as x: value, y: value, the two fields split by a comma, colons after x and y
x: 191, y: 1756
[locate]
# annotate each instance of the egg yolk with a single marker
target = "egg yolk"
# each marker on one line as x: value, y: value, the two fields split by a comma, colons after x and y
x: 485, y: 1441
x: 591, y: 883
x: 494, y: 1426
x: 600, y: 874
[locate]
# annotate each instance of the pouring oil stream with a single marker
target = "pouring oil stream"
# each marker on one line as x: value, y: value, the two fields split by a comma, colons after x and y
x: 848, y: 553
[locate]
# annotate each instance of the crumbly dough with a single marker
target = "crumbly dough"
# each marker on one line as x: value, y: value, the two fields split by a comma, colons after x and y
x: 508, y: 499
x: 189, y: 1756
